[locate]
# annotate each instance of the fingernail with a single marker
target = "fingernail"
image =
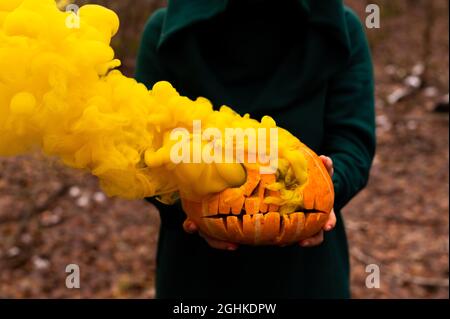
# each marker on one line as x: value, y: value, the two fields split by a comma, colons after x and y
x: 305, y: 243
x: 328, y: 228
x: 231, y: 248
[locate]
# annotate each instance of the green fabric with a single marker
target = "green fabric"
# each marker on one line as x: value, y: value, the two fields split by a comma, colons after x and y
x: 307, y: 64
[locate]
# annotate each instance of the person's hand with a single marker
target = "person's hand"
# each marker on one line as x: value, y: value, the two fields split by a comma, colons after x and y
x: 191, y: 228
x: 329, y: 225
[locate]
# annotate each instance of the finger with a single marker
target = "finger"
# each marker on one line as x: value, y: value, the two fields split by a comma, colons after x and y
x: 189, y: 226
x: 331, y: 167
x: 313, y: 241
x: 331, y: 222
x: 219, y: 244
x: 328, y: 162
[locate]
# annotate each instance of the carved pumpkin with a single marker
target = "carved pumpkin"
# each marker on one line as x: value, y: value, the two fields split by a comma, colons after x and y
x: 268, y: 209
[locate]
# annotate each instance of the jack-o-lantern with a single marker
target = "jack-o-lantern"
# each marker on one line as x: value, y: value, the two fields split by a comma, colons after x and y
x: 269, y: 209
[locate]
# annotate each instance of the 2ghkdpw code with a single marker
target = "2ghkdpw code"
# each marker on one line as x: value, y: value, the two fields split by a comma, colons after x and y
x: 246, y: 308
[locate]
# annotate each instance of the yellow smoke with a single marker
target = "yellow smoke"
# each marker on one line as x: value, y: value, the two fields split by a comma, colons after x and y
x: 59, y: 93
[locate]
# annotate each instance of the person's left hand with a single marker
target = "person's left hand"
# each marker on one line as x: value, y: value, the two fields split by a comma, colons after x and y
x: 329, y: 225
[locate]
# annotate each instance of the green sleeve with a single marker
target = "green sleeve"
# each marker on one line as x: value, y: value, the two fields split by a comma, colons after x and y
x: 149, y: 70
x: 350, y: 118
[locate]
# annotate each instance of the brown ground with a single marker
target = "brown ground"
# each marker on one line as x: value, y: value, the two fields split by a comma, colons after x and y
x: 51, y: 216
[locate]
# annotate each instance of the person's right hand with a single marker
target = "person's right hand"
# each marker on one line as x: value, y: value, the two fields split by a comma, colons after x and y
x: 191, y: 228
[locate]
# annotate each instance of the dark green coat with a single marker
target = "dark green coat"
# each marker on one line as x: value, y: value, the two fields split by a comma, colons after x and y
x: 307, y: 64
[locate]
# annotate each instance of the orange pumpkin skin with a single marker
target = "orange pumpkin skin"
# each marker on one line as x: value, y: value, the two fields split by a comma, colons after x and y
x: 239, y: 215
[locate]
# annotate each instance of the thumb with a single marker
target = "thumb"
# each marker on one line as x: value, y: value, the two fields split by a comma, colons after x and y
x: 328, y: 163
x: 189, y: 226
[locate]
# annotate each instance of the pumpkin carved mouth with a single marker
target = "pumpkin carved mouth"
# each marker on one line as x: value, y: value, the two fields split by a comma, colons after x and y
x: 271, y: 209
x: 272, y: 227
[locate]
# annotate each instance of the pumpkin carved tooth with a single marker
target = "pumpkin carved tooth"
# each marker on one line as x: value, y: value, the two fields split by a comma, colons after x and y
x: 238, y: 205
x: 231, y: 194
x: 283, y: 220
x: 294, y: 225
x: 234, y: 227
x: 271, y: 227
x: 257, y: 220
x: 300, y: 224
x: 252, y: 205
x: 224, y: 208
x: 284, y: 230
x: 217, y: 226
x: 213, y: 205
x: 248, y: 228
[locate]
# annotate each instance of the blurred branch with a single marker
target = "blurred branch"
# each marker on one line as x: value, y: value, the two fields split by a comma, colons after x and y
x: 32, y: 209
